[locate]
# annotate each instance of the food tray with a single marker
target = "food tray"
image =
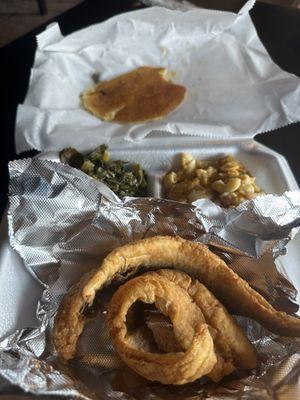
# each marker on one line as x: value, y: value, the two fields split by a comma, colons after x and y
x: 156, y: 156
x: 214, y: 134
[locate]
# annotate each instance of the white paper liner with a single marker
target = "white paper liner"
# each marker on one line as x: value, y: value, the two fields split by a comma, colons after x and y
x: 234, y: 89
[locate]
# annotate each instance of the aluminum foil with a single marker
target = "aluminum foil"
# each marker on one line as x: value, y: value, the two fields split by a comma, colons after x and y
x: 63, y: 223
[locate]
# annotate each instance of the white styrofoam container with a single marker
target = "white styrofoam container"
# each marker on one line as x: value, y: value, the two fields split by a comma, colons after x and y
x: 20, y: 292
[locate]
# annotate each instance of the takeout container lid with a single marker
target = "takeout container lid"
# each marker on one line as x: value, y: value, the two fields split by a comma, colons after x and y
x: 234, y: 89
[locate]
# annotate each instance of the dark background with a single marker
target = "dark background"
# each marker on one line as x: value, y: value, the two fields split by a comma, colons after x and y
x: 278, y: 28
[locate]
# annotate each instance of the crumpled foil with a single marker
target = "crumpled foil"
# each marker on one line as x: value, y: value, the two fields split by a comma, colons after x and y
x: 62, y: 223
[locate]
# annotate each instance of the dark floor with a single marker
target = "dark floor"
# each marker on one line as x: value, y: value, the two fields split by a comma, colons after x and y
x: 18, y: 17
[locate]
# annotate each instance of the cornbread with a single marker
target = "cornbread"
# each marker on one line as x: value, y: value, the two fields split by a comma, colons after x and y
x: 141, y: 95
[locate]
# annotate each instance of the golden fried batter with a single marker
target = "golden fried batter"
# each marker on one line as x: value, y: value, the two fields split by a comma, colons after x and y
x: 167, y: 252
x: 233, y: 349
x: 188, y: 304
x: 141, y: 95
x: 190, y: 330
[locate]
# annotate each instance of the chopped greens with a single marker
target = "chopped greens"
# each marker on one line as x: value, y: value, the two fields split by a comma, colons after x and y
x: 72, y: 157
x: 122, y: 177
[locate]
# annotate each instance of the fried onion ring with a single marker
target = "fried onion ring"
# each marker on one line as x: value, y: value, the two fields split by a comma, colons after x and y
x: 166, y: 252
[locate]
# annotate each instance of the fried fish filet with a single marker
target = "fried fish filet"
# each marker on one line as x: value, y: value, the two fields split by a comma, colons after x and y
x: 188, y: 304
x: 232, y: 347
x: 174, y: 253
x: 141, y: 95
x: 190, y: 329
